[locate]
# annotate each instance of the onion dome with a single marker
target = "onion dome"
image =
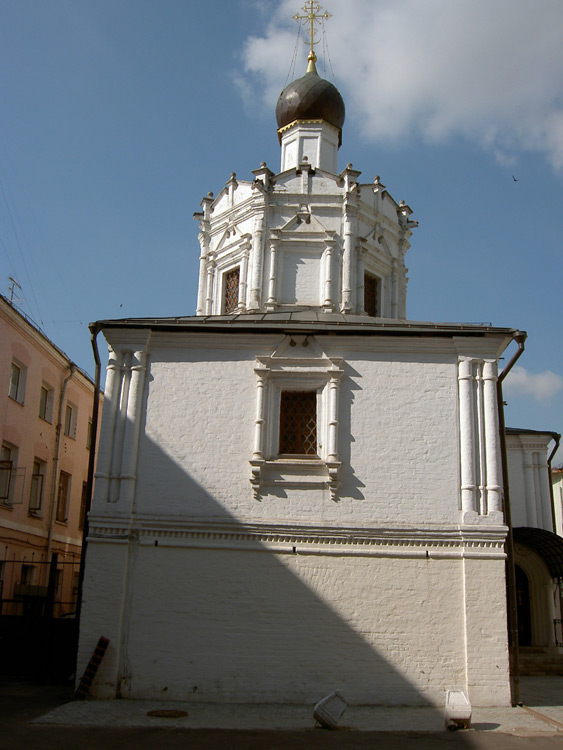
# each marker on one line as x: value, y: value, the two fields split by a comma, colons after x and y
x: 310, y: 98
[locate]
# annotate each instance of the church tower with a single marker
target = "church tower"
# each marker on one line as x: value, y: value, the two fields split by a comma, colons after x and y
x: 310, y: 237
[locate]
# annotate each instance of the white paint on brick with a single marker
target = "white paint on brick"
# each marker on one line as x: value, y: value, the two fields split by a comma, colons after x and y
x: 387, y: 596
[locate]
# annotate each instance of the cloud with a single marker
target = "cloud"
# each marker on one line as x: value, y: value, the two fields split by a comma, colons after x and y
x: 541, y: 386
x: 488, y: 70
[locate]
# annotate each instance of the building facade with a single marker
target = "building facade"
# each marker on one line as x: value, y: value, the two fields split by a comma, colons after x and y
x: 45, y: 429
x: 299, y: 489
x: 538, y: 547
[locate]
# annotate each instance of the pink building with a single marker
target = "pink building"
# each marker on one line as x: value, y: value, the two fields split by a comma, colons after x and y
x: 45, y: 428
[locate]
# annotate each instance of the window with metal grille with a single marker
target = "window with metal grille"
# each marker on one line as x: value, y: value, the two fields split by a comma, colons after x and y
x: 370, y: 295
x: 298, y: 423
x: 232, y: 282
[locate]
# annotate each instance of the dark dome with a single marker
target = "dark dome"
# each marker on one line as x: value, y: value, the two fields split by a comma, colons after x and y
x: 310, y: 98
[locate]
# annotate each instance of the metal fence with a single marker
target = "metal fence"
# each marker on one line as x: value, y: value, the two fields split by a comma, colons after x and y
x: 31, y: 588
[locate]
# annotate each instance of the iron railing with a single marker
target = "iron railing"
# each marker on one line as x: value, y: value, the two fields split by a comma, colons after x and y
x: 32, y: 588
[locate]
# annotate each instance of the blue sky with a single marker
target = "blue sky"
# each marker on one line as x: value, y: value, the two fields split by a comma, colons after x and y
x: 119, y: 115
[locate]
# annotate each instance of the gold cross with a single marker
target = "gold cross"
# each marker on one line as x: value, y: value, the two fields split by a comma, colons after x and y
x: 313, y: 14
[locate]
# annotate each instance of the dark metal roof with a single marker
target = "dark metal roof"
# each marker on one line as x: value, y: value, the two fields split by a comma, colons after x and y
x: 546, y: 544
x: 310, y: 98
x: 306, y: 321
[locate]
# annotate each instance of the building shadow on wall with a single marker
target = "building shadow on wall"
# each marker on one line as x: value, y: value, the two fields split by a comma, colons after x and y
x: 220, y: 610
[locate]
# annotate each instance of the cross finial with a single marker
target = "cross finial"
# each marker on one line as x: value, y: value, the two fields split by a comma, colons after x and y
x: 313, y: 15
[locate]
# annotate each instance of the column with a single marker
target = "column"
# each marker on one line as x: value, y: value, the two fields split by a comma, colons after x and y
x: 333, y: 423
x: 346, y: 304
x: 467, y: 439
x: 204, y: 244
x: 271, y: 303
x: 545, y: 493
x: 259, y: 421
x: 109, y: 414
x: 328, y: 296
x: 243, y: 284
x: 257, y: 259
x: 529, y: 482
x: 494, y: 486
x: 209, y: 292
x: 133, y: 428
x: 119, y: 433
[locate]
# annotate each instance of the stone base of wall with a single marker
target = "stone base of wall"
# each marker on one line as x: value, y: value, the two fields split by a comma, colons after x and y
x: 211, y: 623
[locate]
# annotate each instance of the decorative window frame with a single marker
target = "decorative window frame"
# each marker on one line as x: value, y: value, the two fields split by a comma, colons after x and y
x: 224, y: 260
x: 224, y: 276
x: 373, y: 261
x: 298, y: 364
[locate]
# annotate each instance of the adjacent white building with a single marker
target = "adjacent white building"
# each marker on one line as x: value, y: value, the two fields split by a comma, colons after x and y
x: 299, y: 489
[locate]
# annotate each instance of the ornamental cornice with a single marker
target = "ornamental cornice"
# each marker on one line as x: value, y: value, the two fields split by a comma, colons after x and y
x: 429, y: 541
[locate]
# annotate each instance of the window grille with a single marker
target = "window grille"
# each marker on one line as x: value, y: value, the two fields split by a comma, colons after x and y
x: 370, y: 295
x: 298, y: 423
x: 232, y: 282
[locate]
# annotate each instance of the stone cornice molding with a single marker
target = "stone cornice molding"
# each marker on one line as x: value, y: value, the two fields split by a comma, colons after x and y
x: 392, y: 541
x: 489, y: 347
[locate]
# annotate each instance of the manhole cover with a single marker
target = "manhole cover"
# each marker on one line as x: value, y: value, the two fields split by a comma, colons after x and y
x: 167, y: 713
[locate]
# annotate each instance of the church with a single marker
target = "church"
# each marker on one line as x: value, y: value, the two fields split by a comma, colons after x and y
x: 298, y: 488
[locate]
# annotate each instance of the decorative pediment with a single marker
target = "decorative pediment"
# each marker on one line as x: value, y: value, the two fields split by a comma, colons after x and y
x: 297, y: 347
x: 305, y: 222
x: 230, y: 235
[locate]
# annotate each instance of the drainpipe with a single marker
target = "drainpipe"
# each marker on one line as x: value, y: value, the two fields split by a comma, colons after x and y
x: 58, y: 439
x: 94, y: 330
x: 520, y: 338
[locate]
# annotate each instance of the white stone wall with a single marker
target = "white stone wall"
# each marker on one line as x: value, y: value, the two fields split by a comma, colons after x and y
x: 229, y: 625
x: 398, y: 440
x: 209, y: 590
x: 528, y: 476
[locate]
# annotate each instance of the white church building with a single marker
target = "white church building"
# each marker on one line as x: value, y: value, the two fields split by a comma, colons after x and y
x: 299, y: 489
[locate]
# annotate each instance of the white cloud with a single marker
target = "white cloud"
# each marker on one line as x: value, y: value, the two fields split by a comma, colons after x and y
x: 490, y: 70
x: 541, y: 386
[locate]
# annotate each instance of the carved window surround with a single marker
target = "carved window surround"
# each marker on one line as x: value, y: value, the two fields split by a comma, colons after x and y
x: 221, y: 262
x: 298, y: 364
